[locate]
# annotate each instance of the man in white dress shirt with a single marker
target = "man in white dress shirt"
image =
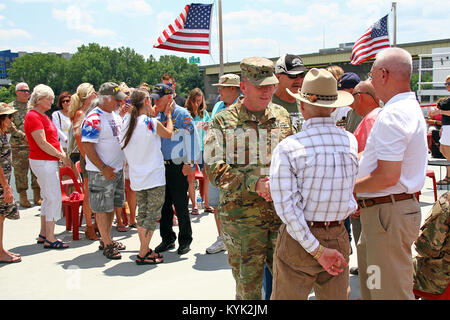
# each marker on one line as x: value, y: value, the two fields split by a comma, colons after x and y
x: 392, y: 169
x: 312, y: 176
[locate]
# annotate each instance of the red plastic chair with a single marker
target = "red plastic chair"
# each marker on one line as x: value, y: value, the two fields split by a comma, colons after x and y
x: 71, y: 207
x: 443, y: 296
x: 430, y: 174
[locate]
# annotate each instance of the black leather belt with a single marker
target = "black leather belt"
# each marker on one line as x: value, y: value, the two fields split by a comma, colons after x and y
x: 324, y: 224
x: 171, y: 163
x: 366, y: 203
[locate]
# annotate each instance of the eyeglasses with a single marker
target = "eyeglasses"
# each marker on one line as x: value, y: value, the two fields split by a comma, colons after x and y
x: 447, y: 83
x: 170, y: 84
x: 24, y: 90
x: 295, y: 76
x: 11, y: 116
x: 370, y: 74
x: 65, y: 101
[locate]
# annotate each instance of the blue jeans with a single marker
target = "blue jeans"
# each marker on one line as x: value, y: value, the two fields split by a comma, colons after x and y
x: 267, y: 283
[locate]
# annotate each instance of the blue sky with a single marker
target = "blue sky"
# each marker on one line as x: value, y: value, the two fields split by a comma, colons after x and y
x: 251, y: 28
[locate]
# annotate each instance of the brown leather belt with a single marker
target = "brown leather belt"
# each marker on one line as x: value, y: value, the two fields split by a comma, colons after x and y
x: 366, y: 203
x: 324, y: 224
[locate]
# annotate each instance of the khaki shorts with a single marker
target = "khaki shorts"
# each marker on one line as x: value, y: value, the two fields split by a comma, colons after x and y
x: 150, y: 203
x: 105, y: 194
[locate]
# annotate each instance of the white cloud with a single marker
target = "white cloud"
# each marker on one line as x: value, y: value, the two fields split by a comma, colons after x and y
x: 130, y: 8
x: 12, y: 34
x: 2, y: 6
x: 79, y: 19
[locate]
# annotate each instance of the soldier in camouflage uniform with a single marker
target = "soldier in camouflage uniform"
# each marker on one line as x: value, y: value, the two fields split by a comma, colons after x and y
x: 8, y: 207
x: 432, y: 265
x: 238, y: 151
x: 20, y: 149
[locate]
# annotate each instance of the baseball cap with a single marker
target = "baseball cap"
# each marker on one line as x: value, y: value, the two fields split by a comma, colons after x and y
x: 228, y: 80
x: 348, y: 80
x: 259, y: 71
x: 160, y: 90
x: 290, y: 64
x: 111, y: 89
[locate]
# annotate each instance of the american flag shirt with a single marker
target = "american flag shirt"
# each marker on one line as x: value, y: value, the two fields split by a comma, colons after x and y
x: 312, y: 176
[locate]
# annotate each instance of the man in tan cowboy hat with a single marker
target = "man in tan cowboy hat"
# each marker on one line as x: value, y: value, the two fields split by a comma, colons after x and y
x: 238, y: 152
x: 312, y: 175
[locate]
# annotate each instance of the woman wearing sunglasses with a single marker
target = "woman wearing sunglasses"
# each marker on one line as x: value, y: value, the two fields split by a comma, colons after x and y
x: 61, y: 118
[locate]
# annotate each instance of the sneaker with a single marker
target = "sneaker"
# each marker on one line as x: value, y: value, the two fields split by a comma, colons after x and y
x: 217, y: 246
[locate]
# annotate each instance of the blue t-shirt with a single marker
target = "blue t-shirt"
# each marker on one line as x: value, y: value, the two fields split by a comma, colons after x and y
x: 185, y: 142
x: 219, y: 106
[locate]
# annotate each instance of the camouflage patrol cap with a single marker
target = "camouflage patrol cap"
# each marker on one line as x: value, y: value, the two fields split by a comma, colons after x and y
x: 259, y: 71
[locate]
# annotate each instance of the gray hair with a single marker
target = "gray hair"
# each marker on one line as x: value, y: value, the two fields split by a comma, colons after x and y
x: 39, y: 92
x: 101, y: 98
x: 21, y: 85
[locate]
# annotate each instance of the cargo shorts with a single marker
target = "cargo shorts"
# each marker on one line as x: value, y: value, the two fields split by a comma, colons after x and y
x: 105, y: 194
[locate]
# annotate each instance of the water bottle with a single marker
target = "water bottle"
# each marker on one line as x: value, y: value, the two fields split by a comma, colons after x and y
x: 199, y: 202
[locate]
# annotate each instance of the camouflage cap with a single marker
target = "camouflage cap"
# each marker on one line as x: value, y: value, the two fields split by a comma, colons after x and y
x: 111, y: 89
x: 259, y: 71
x: 228, y: 80
x: 160, y: 90
x: 6, y: 109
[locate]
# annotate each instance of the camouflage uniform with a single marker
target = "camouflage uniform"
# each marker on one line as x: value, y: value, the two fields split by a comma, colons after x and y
x: 20, y: 149
x: 249, y: 223
x: 8, y: 210
x: 432, y: 265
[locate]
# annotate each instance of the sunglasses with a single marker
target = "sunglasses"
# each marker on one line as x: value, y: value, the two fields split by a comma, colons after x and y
x: 23, y: 90
x: 65, y: 101
x: 447, y: 83
x: 355, y: 93
x: 11, y: 116
x: 295, y: 76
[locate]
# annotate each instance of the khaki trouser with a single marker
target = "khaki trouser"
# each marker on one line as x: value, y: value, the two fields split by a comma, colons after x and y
x: 296, y: 272
x: 384, y: 250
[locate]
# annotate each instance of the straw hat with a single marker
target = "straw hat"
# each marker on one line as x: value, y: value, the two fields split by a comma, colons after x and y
x: 228, y: 80
x: 320, y: 89
x: 6, y: 109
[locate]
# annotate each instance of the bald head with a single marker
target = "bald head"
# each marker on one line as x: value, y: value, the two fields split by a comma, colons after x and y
x: 367, y: 87
x: 366, y: 98
x: 397, y: 60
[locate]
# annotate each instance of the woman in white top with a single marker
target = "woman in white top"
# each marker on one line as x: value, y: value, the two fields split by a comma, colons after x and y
x: 141, y: 143
x: 61, y: 118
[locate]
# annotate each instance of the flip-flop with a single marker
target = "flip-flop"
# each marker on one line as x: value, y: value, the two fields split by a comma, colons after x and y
x: 194, y: 212
x: 13, y: 259
x: 209, y: 209
x: 121, y: 228
x: 133, y: 225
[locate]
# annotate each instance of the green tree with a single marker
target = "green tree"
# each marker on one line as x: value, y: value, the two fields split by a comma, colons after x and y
x: 34, y: 69
x: 7, y: 94
x: 426, y: 77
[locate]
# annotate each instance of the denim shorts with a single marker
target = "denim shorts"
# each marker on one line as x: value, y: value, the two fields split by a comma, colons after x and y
x: 105, y: 194
x: 213, y: 195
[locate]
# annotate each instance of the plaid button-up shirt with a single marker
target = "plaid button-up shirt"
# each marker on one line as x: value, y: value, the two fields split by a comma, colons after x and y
x: 312, y: 176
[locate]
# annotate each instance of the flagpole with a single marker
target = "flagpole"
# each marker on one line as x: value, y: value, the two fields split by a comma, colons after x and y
x: 220, y: 40
x: 394, y: 8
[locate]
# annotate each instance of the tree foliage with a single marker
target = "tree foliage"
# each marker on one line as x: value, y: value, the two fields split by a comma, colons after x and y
x: 98, y: 64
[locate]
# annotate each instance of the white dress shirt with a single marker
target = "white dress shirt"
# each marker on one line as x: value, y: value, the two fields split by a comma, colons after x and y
x: 398, y: 134
x: 312, y: 176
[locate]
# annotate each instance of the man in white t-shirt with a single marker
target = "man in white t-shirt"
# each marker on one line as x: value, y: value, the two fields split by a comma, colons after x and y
x: 392, y: 169
x: 104, y: 163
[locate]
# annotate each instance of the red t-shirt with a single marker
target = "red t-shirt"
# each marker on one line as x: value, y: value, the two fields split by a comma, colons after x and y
x: 36, y: 121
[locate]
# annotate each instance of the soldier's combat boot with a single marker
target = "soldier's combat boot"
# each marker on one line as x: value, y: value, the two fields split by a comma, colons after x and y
x: 37, y: 196
x: 24, y: 200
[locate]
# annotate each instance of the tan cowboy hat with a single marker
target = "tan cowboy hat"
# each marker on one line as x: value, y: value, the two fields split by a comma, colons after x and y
x: 6, y: 109
x: 320, y: 89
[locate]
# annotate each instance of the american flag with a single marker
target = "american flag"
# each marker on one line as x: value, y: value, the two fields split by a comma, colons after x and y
x: 375, y: 39
x: 190, y: 32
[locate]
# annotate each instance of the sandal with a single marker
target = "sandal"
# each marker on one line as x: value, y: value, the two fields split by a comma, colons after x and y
x: 55, y: 245
x: 194, y: 212
x: 118, y: 245
x: 11, y: 259
x: 42, y: 237
x: 111, y: 252
x: 148, y: 260
x: 121, y: 228
x: 444, y: 181
x: 133, y: 225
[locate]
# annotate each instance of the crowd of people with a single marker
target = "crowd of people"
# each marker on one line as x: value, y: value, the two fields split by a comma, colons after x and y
x: 294, y: 161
